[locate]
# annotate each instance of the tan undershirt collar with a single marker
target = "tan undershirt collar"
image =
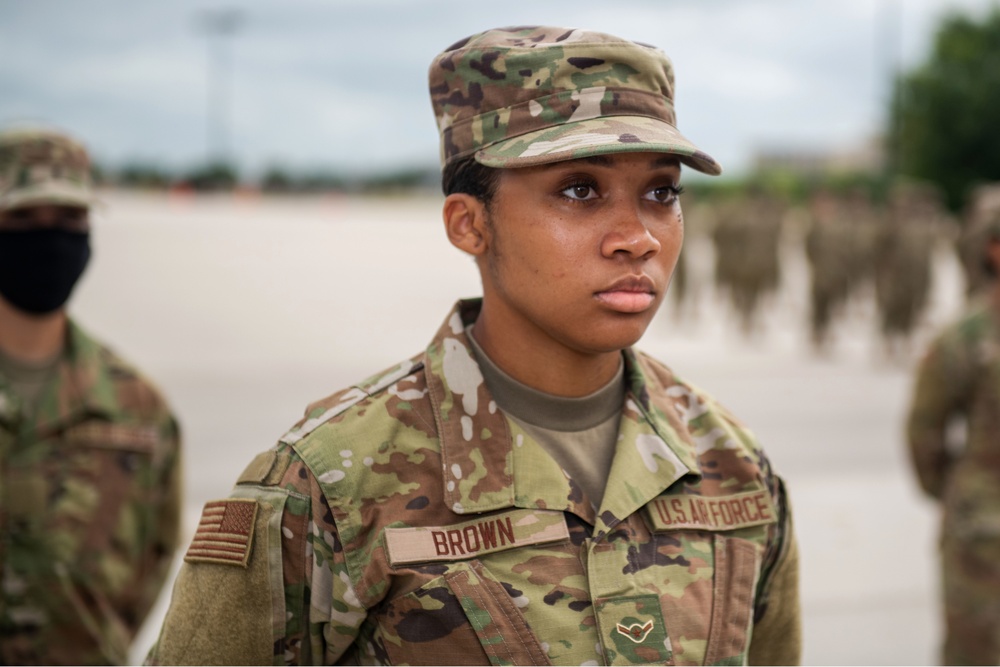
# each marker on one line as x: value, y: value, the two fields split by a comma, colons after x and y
x: 558, y: 413
x: 27, y: 379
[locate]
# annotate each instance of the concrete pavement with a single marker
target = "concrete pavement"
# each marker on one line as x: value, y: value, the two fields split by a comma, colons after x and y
x: 244, y: 310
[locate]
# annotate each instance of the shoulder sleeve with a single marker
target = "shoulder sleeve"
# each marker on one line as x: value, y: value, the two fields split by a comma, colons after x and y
x: 940, y: 392
x: 777, y: 631
x: 263, y: 580
x: 165, y: 519
x: 141, y: 405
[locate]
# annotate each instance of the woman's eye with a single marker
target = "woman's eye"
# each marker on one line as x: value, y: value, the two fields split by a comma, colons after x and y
x: 580, y: 192
x: 665, y: 195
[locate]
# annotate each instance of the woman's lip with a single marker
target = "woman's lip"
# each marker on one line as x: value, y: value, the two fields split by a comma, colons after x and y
x: 633, y: 283
x: 626, y: 301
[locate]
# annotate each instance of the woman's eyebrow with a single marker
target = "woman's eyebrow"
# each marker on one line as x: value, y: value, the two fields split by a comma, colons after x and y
x: 668, y: 160
x: 599, y: 160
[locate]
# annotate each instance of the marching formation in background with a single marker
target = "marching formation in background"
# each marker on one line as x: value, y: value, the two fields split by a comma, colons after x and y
x: 860, y: 252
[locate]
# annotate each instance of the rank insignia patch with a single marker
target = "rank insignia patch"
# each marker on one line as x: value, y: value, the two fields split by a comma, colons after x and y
x: 225, y: 533
x: 636, y: 632
x: 632, y: 630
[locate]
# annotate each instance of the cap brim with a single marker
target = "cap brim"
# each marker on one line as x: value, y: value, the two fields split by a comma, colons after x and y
x: 58, y: 193
x: 596, y: 136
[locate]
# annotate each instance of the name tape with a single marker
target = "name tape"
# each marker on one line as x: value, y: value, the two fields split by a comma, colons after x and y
x: 474, y: 538
x: 115, y: 436
x: 742, y: 510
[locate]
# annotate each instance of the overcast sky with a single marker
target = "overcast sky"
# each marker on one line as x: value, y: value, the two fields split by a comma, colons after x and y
x: 342, y: 83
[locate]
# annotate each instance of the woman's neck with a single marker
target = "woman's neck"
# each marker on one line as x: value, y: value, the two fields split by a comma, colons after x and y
x: 546, y: 365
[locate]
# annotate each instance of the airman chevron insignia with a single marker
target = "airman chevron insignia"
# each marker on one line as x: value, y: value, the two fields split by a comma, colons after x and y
x: 636, y: 632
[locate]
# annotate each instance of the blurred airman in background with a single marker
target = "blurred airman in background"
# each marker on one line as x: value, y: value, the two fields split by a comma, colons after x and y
x: 747, y: 239
x: 839, y: 244
x: 954, y: 441
x: 825, y: 289
x: 89, y: 451
x: 903, y: 254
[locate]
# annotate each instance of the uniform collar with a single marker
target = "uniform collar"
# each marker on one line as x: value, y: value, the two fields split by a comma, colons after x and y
x: 477, y: 449
x: 10, y: 404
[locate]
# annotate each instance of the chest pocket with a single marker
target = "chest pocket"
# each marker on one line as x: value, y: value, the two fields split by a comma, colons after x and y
x: 86, y: 490
x: 464, y: 617
x: 737, y: 568
x: 682, y: 597
x: 695, y: 575
x: 76, y: 505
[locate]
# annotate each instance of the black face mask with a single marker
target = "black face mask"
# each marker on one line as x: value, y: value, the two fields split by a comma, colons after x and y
x: 40, y: 267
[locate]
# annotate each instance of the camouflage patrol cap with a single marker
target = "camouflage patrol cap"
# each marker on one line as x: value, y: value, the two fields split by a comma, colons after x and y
x: 982, y: 226
x: 522, y: 96
x: 43, y: 167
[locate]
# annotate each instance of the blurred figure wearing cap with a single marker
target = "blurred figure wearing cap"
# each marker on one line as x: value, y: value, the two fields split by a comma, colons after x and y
x: 958, y: 384
x: 529, y: 489
x: 89, y: 452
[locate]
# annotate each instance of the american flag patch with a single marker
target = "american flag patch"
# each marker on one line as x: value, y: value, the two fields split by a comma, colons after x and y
x: 225, y: 533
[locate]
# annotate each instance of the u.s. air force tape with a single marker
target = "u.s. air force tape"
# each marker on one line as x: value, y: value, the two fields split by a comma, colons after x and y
x: 741, y: 510
x: 474, y: 538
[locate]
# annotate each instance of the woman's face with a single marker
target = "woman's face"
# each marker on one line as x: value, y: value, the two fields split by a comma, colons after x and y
x: 581, y: 252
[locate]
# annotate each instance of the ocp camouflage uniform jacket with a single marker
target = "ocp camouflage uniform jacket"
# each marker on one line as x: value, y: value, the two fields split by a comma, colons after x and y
x: 408, y: 520
x: 959, y: 378
x: 89, y: 506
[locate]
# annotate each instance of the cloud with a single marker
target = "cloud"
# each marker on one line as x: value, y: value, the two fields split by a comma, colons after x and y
x: 315, y: 82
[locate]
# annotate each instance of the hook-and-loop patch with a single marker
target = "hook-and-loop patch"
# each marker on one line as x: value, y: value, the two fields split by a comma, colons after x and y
x: 225, y: 533
x: 740, y: 510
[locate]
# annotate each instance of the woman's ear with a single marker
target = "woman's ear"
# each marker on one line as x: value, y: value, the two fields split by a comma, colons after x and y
x: 993, y: 254
x: 465, y: 223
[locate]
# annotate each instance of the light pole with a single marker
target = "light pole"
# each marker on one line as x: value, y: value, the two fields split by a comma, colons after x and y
x: 890, y: 41
x: 219, y: 24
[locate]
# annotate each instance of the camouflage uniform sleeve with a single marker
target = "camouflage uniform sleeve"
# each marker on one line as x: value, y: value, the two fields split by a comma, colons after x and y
x: 939, y: 396
x: 324, y: 614
x: 165, y: 520
x: 777, y: 631
x: 159, y: 515
x: 284, y: 598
